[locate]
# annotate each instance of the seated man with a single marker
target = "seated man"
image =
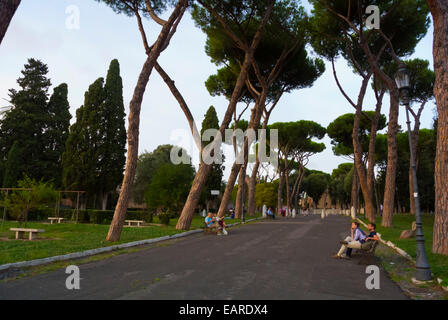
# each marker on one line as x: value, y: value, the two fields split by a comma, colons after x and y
x: 355, y: 241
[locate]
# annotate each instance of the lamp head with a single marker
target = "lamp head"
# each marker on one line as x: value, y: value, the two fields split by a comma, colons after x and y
x: 403, y: 81
x: 402, y: 77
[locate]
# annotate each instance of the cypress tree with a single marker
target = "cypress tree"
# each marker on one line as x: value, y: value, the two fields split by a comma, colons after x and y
x: 113, y: 148
x: 214, y: 180
x: 94, y: 157
x: 81, y: 156
x: 56, y: 134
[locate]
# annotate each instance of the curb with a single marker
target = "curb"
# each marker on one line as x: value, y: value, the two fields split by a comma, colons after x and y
x: 82, y: 254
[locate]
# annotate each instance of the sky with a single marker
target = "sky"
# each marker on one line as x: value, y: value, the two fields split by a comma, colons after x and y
x: 77, y: 39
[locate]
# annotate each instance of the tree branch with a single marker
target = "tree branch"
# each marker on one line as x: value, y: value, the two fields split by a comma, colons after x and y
x: 153, y: 14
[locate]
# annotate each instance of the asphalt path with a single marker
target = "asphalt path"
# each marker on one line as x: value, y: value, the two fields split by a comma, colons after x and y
x: 285, y: 259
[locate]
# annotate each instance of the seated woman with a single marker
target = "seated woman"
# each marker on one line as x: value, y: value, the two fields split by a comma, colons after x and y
x: 354, y: 241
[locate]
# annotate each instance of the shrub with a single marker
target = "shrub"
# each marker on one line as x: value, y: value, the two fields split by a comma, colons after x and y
x: 32, y: 195
x: 164, y: 219
x: 149, y: 217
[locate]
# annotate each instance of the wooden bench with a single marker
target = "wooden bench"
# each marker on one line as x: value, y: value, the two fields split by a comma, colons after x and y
x: 137, y: 222
x: 20, y: 233
x: 368, y: 252
x: 52, y: 219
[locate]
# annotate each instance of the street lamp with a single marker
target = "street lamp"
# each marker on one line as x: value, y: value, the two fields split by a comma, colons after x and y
x: 422, y: 269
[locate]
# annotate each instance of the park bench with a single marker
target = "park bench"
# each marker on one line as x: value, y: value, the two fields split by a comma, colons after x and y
x: 367, y: 252
x: 52, y: 219
x: 132, y: 222
x: 20, y: 233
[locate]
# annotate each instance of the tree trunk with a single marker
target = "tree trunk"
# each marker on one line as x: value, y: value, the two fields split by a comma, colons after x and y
x: 355, y: 191
x: 439, y: 10
x: 365, y: 181
x: 254, y: 122
x: 251, y: 189
x: 280, y: 193
x: 199, y: 180
x: 239, y: 205
x: 389, y: 190
x: 116, y: 225
x: 288, y: 200
x: 7, y: 10
x: 295, y: 190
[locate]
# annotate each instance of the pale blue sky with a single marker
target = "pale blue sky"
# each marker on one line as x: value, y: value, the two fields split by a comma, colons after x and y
x: 79, y: 57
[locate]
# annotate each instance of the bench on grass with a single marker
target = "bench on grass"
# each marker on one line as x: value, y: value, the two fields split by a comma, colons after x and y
x: 53, y: 219
x: 136, y: 222
x: 20, y: 233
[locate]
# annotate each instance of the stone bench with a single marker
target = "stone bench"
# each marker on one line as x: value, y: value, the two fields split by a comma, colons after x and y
x: 53, y: 219
x: 137, y: 222
x: 20, y: 233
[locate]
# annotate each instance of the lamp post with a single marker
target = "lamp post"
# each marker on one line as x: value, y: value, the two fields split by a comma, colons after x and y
x: 422, y: 268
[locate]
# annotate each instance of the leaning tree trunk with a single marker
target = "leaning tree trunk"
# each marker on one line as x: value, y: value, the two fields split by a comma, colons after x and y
x: 254, y: 122
x: 366, y: 188
x: 7, y: 10
x: 239, y: 205
x: 439, y: 10
x: 389, y: 190
x: 131, y: 161
x: 116, y: 225
x: 201, y: 177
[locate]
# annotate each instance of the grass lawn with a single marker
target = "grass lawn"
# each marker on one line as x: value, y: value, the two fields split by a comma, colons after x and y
x: 59, y: 239
x: 438, y: 262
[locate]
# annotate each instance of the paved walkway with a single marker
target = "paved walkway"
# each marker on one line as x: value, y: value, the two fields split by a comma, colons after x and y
x: 281, y: 259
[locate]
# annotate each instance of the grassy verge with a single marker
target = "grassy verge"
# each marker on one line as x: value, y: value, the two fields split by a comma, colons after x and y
x: 438, y: 262
x: 59, y: 239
